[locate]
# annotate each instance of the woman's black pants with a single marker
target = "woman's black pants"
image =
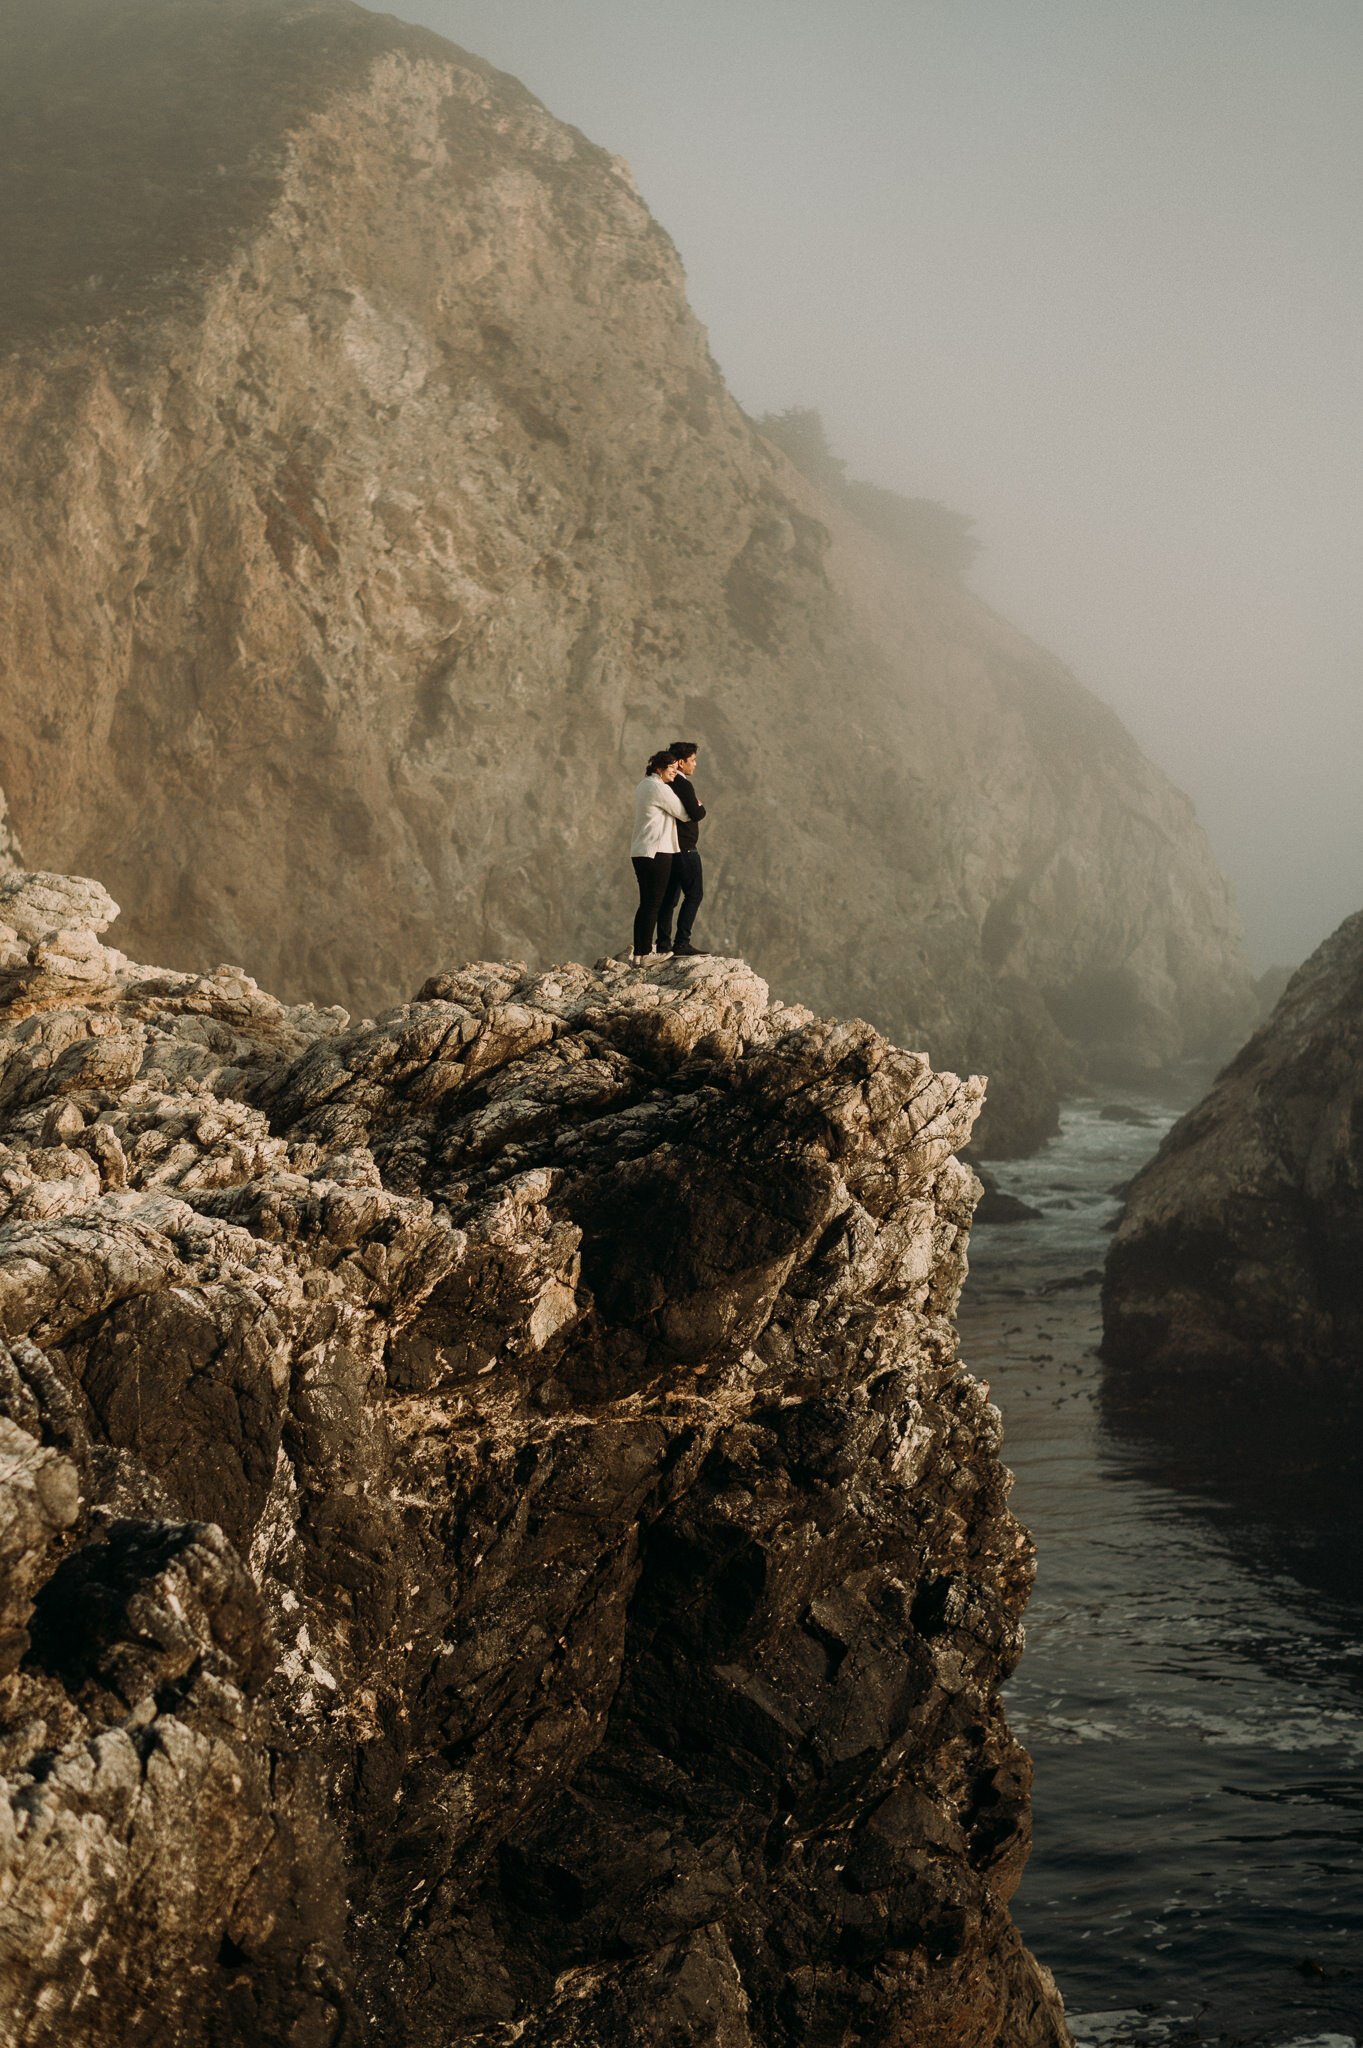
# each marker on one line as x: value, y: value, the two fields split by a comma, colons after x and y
x: 654, y: 876
x: 686, y: 885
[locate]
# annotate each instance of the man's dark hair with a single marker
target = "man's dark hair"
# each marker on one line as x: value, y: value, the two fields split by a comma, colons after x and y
x: 682, y: 750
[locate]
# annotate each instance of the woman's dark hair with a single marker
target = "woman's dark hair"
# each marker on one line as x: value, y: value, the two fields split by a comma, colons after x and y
x: 682, y: 750
x: 657, y: 761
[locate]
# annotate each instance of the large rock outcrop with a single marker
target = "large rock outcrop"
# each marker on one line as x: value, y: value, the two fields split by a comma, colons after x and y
x: 497, y: 1543
x: 1238, y: 1256
x: 370, y: 505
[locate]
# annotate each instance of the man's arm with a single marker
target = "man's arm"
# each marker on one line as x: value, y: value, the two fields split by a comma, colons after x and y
x: 695, y: 809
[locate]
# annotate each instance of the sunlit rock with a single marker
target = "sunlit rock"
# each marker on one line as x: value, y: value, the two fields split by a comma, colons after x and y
x: 498, y: 1542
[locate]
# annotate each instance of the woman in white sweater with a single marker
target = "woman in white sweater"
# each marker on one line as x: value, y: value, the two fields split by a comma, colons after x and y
x: 657, y: 810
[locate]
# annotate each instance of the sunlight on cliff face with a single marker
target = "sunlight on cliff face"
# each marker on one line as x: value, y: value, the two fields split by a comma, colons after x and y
x: 1088, y: 275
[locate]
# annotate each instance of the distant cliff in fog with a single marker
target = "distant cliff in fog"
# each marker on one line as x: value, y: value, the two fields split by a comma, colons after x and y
x: 370, y: 504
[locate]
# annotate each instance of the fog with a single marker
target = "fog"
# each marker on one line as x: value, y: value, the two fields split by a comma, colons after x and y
x: 1087, y: 270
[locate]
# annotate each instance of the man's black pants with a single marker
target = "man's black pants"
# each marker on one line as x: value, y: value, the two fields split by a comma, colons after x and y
x: 653, y: 879
x: 687, y: 883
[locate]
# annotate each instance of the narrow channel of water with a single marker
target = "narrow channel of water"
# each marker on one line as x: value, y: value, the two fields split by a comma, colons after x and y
x: 1193, y: 1705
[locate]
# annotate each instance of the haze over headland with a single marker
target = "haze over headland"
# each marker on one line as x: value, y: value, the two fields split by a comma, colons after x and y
x: 1088, y: 272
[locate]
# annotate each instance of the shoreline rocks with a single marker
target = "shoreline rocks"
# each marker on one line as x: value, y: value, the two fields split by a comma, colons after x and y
x: 1236, y: 1260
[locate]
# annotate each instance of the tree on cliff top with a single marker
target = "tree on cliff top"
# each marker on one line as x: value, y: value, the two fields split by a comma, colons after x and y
x: 922, y: 528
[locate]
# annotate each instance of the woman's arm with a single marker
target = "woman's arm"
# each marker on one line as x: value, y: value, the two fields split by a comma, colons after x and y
x: 668, y: 800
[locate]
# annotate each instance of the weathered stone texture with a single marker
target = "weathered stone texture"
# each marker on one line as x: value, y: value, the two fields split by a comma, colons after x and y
x: 1238, y: 1253
x: 370, y: 506
x: 497, y: 1542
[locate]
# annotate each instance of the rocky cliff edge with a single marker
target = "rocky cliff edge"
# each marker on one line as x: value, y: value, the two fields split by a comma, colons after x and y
x: 498, y: 1544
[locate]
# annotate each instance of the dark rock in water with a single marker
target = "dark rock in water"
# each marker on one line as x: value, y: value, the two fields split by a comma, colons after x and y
x: 499, y: 1545
x: 994, y: 1206
x: 1074, y: 1283
x: 1001, y: 1208
x: 1239, y: 1248
x: 1233, y: 1295
x: 1124, y: 1113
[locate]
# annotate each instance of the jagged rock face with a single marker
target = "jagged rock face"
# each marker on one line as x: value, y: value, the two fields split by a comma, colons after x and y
x: 497, y: 1541
x: 370, y: 506
x: 1238, y: 1250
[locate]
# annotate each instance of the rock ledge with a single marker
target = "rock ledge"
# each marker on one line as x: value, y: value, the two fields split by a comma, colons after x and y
x: 499, y: 1545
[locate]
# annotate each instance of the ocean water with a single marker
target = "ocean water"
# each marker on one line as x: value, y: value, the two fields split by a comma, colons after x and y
x: 1192, y: 1690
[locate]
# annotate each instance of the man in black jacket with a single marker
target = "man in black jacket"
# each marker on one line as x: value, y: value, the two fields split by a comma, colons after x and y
x: 686, y: 882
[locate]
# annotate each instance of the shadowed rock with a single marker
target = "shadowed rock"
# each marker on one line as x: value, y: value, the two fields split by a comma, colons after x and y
x: 1237, y: 1255
x: 498, y: 1542
x: 1232, y: 1300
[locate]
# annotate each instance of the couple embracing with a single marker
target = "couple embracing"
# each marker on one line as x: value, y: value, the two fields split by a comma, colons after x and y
x: 667, y: 815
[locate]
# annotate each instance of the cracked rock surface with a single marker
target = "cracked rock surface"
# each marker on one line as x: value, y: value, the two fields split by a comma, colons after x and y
x: 497, y: 1542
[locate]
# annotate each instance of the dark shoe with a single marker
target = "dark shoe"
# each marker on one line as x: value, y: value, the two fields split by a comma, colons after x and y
x: 686, y: 951
x: 663, y: 946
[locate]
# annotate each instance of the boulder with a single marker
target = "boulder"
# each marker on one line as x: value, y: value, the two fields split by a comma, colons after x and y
x: 1237, y: 1258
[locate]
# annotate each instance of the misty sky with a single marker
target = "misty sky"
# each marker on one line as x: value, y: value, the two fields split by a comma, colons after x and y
x: 1091, y: 270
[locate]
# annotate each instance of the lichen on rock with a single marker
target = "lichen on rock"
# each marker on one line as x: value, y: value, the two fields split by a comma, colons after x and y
x: 498, y: 1542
